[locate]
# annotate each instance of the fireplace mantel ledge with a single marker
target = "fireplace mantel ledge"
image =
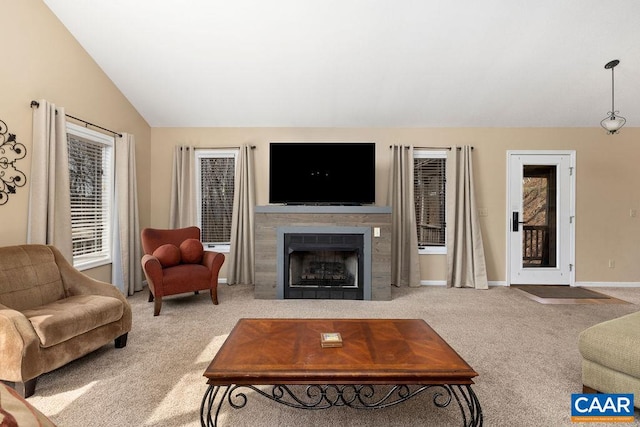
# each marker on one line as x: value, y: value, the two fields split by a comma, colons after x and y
x: 312, y: 209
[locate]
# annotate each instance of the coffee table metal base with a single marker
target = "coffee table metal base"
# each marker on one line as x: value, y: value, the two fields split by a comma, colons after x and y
x: 314, y: 397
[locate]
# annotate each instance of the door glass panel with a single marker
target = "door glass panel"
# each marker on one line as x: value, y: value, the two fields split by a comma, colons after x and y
x: 539, y: 216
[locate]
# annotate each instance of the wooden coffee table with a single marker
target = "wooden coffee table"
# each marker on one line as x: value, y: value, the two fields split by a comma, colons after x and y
x: 405, y: 356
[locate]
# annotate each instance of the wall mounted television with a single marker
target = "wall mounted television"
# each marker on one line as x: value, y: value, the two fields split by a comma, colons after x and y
x: 322, y: 173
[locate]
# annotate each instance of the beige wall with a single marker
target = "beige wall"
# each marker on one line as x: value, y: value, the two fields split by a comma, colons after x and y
x: 41, y: 60
x: 607, y: 184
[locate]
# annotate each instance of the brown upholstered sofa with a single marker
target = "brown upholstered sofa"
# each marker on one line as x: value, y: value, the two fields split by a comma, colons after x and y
x: 611, y: 356
x: 51, y: 314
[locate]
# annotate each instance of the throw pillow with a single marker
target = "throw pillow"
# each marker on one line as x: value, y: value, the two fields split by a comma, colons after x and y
x: 168, y: 255
x: 191, y: 251
x: 15, y: 411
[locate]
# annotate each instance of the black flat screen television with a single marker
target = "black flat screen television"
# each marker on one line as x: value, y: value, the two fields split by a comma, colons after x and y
x: 322, y: 173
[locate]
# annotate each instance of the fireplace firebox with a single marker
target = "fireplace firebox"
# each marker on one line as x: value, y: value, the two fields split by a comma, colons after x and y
x: 323, y: 266
x: 324, y: 262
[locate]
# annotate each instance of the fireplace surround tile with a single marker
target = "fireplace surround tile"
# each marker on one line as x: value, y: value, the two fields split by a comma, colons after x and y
x: 272, y: 220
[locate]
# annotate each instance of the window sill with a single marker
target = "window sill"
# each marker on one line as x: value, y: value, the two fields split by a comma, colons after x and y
x: 432, y: 250
x: 89, y: 264
x: 225, y: 249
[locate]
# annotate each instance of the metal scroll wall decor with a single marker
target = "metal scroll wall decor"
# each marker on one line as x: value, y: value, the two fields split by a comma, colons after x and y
x: 10, y: 152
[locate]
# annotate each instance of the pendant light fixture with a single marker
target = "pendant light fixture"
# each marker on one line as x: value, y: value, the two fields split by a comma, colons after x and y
x: 613, y: 122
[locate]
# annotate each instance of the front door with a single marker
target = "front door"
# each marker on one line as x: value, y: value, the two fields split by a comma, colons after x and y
x: 541, y: 217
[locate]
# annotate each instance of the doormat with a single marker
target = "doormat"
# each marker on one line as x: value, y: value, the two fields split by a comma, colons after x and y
x: 561, y: 292
x: 564, y: 294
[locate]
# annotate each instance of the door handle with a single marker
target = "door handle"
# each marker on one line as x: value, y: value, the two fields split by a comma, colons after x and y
x: 515, y: 221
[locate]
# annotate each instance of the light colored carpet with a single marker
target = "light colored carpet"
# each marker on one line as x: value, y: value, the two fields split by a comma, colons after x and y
x: 526, y: 355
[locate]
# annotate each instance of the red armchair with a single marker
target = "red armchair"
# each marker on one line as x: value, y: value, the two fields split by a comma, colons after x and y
x: 174, y: 262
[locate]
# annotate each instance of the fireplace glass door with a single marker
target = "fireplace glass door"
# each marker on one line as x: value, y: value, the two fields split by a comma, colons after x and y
x: 324, y: 269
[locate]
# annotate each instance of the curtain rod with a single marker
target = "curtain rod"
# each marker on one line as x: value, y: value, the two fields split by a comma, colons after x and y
x: 37, y: 104
x: 433, y: 148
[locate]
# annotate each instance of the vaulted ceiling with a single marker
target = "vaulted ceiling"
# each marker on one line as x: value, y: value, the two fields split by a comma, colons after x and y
x: 365, y: 63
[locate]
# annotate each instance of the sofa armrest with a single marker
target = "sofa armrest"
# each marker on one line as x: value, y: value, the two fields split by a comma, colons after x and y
x: 213, y: 261
x: 153, y: 272
x: 17, y: 408
x: 78, y: 283
x: 19, y: 347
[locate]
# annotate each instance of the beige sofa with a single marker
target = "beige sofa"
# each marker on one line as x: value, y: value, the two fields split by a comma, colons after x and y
x: 611, y: 356
x: 51, y: 314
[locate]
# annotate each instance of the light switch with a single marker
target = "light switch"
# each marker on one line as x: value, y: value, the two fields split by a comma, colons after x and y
x: 376, y: 231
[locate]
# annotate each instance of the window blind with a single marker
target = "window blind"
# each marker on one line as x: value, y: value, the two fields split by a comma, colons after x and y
x: 217, y: 183
x: 90, y: 185
x: 429, y: 174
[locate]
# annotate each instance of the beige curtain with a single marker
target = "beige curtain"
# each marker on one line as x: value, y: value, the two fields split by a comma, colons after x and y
x: 405, y: 262
x: 49, y: 215
x: 466, y: 267
x: 183, y: 211
x: 241, y: 257
x: 126, y: 273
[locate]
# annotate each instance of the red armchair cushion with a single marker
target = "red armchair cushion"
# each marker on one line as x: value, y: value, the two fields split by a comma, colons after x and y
x: 186, y: 278
x: 168, y: 255
x: 191, y: 251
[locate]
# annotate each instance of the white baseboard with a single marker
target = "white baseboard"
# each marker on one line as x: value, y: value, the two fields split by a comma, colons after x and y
x: 496, y: 283
x: 609, y: 284
x: 504, y: 283
x: 433, y: 282
x: 582, y: 284
x: 444, y: 283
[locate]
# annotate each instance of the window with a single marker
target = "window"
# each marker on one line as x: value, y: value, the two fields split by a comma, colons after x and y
x: 91, y: 174
x: 215, y: 182
x: 429, y: 180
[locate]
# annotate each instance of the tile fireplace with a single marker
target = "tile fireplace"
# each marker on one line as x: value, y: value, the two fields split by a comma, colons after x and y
x: 323, y: 252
